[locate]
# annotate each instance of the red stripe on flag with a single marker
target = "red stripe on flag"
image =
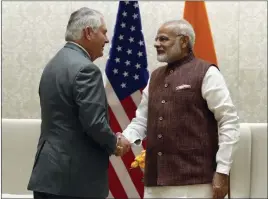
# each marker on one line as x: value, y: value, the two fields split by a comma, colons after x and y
x: 113, y: 122
x: 115, y: 185
x: 129, y: 107
x: 144, y: 144
x: 136, y: 174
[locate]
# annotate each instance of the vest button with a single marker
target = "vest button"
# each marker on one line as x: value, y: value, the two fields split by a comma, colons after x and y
x: 163, y: 101
x: 159, y: 153
x: 166, y: 85
x: 159, y: 136
x: 160, y: 118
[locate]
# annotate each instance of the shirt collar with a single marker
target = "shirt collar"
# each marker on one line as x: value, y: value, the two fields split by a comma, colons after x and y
x: 80, y: 47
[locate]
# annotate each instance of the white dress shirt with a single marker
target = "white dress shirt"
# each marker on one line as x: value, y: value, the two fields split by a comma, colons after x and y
x: 216, y: 93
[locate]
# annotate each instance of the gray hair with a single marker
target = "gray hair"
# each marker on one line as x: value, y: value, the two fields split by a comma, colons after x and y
x: 183, y: 27
x: 80, y: 19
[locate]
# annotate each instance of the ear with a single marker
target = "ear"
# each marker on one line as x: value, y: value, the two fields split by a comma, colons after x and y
x: 88, y: 33
x: 185, y: 41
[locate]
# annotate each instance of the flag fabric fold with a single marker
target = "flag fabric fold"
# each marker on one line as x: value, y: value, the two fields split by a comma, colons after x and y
x: 127, y: 65
x: 196, y: 14
x: 127, y: 74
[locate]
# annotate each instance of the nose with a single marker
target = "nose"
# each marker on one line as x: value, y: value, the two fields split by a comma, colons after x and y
x: 106, y: 40
x: 156, y: 44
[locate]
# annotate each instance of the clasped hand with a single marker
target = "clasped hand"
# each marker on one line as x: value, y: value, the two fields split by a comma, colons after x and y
x: 122, y: 146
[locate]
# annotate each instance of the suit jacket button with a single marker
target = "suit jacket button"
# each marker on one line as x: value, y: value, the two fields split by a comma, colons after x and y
x: 166, y: 85
x: 159, y: 136
x: 160, y: 118
x: 163, y: 101
x: 159, y: 153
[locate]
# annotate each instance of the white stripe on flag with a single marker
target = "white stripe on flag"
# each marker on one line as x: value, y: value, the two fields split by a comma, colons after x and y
x: 116, y: 106
x: 110, y: 195
x: 136, y: 97
x: 137, y: 149
x: 119, y: 112
x: 124, y: 177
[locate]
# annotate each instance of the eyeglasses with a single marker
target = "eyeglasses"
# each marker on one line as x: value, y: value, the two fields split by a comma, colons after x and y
x: 180, y: 35
x: 163, y: 39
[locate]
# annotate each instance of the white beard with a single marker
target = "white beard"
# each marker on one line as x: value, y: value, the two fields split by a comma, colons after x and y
x: 170, y: 55
x: 162, y: 57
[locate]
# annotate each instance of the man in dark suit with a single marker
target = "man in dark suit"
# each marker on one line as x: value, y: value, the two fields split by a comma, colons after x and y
x: 76, y: 141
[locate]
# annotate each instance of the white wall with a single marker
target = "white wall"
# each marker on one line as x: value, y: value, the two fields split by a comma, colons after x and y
x: 33, y: 31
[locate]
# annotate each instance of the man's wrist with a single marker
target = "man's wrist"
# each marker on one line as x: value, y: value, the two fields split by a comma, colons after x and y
x: 132, y: 137
x: 223, y: 169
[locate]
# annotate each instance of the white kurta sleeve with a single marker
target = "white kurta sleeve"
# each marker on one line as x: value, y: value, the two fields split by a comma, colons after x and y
x: 137, y: 129
x: 216, y: 93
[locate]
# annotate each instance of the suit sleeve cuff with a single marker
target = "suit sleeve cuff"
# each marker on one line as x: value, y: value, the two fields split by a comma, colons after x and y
x: 223, y: 169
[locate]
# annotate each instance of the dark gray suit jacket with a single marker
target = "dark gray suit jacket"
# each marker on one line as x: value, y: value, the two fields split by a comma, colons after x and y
x: 76, y: 141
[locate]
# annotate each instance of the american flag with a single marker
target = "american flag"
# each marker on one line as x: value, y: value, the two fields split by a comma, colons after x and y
x: 127, y: 76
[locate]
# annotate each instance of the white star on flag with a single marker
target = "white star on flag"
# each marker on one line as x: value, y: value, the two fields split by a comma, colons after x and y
x: 131, y: 39
x: 124, y: 14
x: 129, y: 51
x: 135, y: 16
x: 119, y: 48
x: 136, y: 77
x: 136, y: 5
x: 126, y: 2
x: 121, y: 37
x: 138, y: 66
x: 123, y: 25
x: 125, y: 74
x: 132, y: 28
x: 117, y: 60
x: 115, y: 71
x: 127, y: 62
x: 123, y: 85
x: 141, y: 43
x: 139, y: 53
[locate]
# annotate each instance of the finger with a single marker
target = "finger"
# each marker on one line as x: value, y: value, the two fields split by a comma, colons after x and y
x: 120, y: 152
x: 224, y: 191
x: 125, y: 149
x: 214, y: 196
x: 118, y: 133
x: 221, y: 191
x: 117, y: 152
x: 215, y: 193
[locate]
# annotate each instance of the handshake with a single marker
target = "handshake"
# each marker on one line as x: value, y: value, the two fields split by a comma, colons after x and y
x: 122, y: 145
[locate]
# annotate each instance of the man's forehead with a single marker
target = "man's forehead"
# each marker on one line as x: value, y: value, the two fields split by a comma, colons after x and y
x: 103, y: 26
x: 166, y: 30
